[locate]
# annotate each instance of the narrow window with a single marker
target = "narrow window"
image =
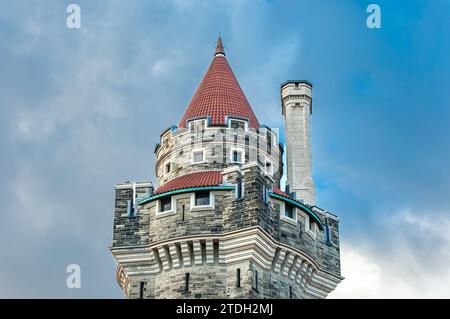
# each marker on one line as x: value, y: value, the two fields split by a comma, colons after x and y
x: 197, y: 156
x: 327, y: 232
x: 266, y: 191
x: 167, y: 168
x: 237, y: 125
x: 186, y: 282
x: 269, y: 167
x: 289, y: 211
x: 202, y: 198
x: 141, y: 290
x: 238, y: 278
x: 165, y: 204
x: 269, y: 142
x: 182, y: 212
x: 255, y: 281
x: 239, y: 189
x: 311, y: 225
x: 130, y: 208
x: 290, y: 293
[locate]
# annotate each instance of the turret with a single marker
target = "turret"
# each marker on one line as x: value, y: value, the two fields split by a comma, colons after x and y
x: 296, y: 103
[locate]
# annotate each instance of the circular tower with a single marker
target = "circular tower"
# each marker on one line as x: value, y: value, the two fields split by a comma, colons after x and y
x: 218, y: 224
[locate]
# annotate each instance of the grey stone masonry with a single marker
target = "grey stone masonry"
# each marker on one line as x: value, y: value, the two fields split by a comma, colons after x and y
x: 175, y: 151
x: 130, y: 226
x: 279, y: 258
x: 296, y: 97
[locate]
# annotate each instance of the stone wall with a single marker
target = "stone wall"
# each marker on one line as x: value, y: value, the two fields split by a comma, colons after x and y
x: 229, y: 215
x: 130, y: 230
x: 176, y: 147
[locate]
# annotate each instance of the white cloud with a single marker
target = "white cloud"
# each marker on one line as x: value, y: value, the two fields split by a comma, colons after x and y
x: 411, y: 262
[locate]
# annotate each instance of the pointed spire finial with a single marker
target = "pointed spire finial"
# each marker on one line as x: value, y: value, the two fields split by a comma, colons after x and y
x: 219, y: 47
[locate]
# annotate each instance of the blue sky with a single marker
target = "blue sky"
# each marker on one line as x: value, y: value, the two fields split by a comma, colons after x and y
x: 81, y: 110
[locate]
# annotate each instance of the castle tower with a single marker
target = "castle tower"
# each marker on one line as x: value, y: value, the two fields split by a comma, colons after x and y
x: 218, y: 225
x: 296, y: 103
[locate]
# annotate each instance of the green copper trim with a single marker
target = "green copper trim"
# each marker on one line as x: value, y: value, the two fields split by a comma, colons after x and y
x: 299, y: 205
x: 186, y: 190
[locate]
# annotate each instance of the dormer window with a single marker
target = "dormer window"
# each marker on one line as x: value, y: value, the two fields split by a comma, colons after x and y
x: 236, y: 124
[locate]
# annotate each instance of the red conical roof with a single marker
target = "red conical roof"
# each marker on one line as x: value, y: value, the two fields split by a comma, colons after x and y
x: 219, y: 95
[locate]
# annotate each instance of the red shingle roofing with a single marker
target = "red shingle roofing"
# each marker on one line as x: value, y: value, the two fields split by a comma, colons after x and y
x: 200, y: 179
x: 219, y: 95
x: 278, y: 191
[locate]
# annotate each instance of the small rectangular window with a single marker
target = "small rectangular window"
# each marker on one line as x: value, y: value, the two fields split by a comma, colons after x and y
x: 165, y: 204
x: 238, y: 278
x: 197, y: 156
x: 167, y: 168
x: 237, y: 156
x: 289, y: 211
x: 186, y: 282
x: 237, y: 124
x: 291, y: 296
x: 141, y: 290
x: 202, y: 198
